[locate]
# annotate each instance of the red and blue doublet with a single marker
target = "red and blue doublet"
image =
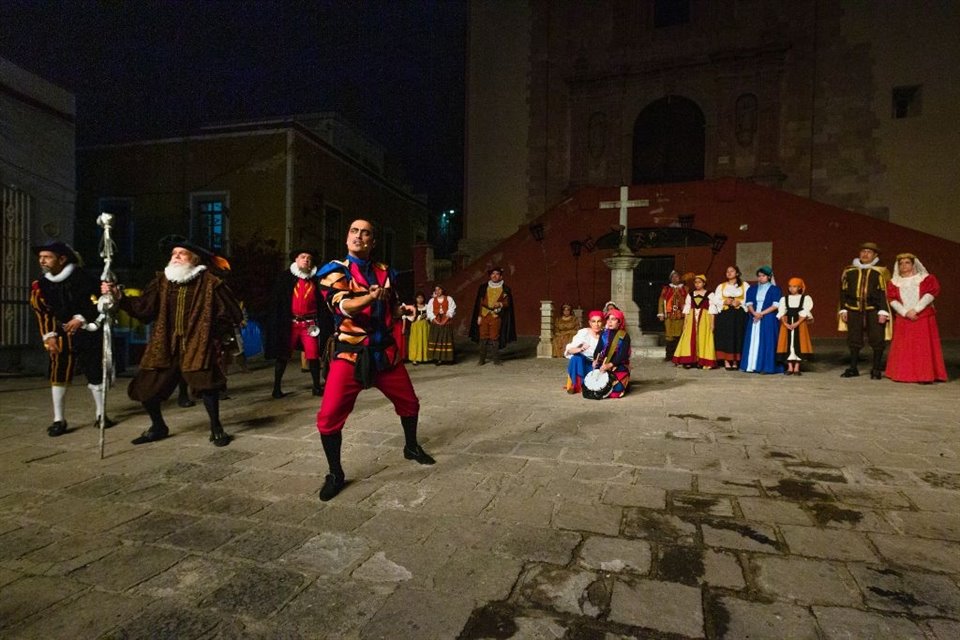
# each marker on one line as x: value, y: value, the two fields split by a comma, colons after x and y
x: 366, y: 344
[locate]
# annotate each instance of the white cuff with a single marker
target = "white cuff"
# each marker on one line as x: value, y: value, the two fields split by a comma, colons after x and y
x: 47, y: 336
x: 80, y: 318
x: 91, y: 326
x: 883, y: 313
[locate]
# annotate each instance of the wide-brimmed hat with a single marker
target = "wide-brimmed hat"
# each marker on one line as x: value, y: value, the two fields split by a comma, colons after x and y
x: 207, y: 257
x: 61, y: 249
x: 497, y: 269
x: 313, y: 254
x: 870, y: 245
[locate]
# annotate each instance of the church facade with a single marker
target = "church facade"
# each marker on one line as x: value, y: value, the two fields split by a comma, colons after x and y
x: 840, y: 103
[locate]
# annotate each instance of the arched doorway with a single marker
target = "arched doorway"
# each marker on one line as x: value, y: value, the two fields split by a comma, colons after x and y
x: 669, y: 142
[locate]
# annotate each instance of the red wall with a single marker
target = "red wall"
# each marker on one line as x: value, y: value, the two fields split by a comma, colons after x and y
x: 812, y: 240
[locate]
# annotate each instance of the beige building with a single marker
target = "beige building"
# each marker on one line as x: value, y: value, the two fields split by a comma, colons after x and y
x: 37, y: 196
x: 844, y: 103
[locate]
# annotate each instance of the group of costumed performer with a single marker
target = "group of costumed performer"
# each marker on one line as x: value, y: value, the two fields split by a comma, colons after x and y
x: 613, y: 352
x: 763, y: 328
x: 673, y: 296
x: 696, y: 347
x: 915, y: 352
x: 795, y: 314
x: 493, y: 323
x: 298, y: 319
x: 580, y: 352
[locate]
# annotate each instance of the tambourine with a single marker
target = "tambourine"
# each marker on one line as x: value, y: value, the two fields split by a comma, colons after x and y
x: 313, y: 331
x: 597, y: 385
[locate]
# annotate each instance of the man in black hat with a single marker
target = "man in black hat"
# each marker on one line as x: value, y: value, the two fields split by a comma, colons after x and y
x: 493, y: 324
x: 191, y: 309
x: 299, y: 318
x: 864, y: 308
x: 63, y: 301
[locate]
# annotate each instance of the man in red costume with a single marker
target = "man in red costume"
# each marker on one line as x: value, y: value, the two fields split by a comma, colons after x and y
x: 367, y: 335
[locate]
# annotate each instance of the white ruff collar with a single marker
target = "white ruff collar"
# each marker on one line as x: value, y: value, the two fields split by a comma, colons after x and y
x: 494, y: 285
x: 301, y: 274
x: 675, y: 286
x: 181, y: 277
x: 860, y: 265
x: 63, y: 275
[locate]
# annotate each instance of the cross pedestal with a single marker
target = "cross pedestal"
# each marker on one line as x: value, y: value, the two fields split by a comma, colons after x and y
x: 545, y: 346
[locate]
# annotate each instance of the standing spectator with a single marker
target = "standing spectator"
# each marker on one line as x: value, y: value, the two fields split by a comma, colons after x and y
x: 191, y: 309
x: 365, y: 309
x: 417, y: 351
x: 864, y: 308
x: 440, y: 311
x: 695, y: 348
x: 297, y: 319
x: 673, y: 296
x: 565, y: 326
x: 730, y: 323
x: 760, y: 339
x: 62, y: 300
x: 493, y: 323
x: 915, y: 354
x: 580, y: 351
x: 795, y: 314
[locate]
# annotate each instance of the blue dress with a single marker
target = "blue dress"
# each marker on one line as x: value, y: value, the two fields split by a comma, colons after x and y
x: 760, y: 338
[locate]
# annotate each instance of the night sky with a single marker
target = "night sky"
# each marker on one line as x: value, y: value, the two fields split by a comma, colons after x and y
x: 394, y: 68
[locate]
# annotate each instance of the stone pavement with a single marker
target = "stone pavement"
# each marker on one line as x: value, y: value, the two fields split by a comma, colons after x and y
x: 703, y: 505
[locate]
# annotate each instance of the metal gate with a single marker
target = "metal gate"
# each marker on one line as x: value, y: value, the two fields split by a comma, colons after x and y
x: 15, y: 265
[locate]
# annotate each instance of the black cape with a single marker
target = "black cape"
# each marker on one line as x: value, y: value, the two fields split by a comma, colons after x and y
x: 508, y: 325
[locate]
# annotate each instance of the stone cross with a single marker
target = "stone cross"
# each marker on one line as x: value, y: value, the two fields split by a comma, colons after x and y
x: 624, y: 204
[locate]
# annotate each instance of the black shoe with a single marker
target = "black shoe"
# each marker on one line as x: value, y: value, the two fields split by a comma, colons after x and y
x: 58, y: 428
x: 220, y: 438
x: 277, y: 394
x: 151, y: 435
x: 185, y: 401
x: 332, y: 485
x: 850, y: 373
x: 318, y: 391
x: 107, y: 423
x: 417, y: 454
x: 876, y: 374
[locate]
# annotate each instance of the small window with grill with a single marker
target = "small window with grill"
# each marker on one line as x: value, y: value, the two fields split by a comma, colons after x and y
x: 907, y: 101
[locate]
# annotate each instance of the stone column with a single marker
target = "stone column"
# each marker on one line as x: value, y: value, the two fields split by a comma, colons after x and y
x: 545, y: 346
x: 621, y: 266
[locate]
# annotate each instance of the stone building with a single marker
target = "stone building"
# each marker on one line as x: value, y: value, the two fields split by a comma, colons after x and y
x: 843, y: 103
x: 37, y: 183
x: 291, y: 182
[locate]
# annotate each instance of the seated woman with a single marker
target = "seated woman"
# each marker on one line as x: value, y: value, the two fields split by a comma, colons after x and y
x: 564, y: 328
x: 580, y: 352
x: 695, y: 348
x: 613, y: 353
x: 915, y: 353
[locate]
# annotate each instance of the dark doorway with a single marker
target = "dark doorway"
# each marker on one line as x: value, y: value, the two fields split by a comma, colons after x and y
x: 648, y: 279
x: 669, y: 142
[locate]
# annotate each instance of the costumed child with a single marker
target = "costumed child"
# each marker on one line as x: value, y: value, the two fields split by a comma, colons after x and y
x: 417, y: 351
x: 794, y: 314
x: 696, y: 346
x: 580, y: 352
x: 613, y: 353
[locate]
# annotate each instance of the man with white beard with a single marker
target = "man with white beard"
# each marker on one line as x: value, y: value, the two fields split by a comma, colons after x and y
x: 190, y: 309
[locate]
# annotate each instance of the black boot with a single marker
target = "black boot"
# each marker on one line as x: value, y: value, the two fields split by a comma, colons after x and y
x: 278, y: 368
x: 315, y: 375
x: 876, y: 372
x: 852, y: 371
x: 158, y: 428
x: 335, y: 480
x: 670, y: 349
x: 483, y: 353
x: 496, y: 352
x: 411, y: 449
x: 211, y: 402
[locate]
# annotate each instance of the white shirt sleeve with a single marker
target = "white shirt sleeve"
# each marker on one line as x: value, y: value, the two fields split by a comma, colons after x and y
x: 782, y: 309
x: 807, y: 311
x: 430, y: 314
x: 925, y: 301
x: 716, y: 303
x: 451, y: 308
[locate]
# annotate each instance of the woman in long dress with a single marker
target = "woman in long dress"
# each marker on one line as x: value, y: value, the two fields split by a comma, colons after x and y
x: 795, y: 314
x: 419, y: 332
x: 915, y: 352
x: 564, y: 328
x: 728, y: 327
x: 440, y: 311
x: 613, y: 352
x: 580, y: 352
x: 760, y: 339
x: 696, y: 347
